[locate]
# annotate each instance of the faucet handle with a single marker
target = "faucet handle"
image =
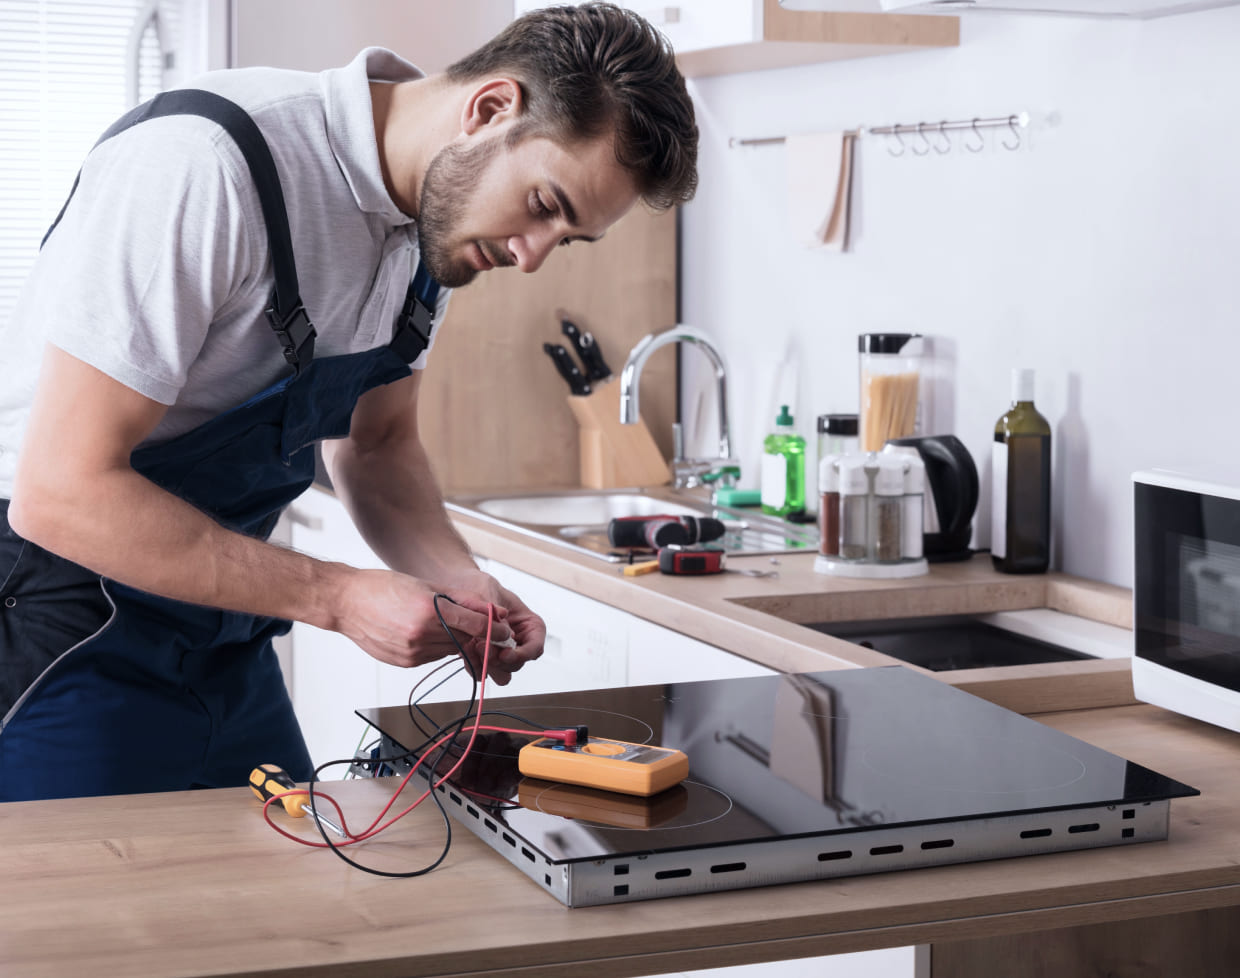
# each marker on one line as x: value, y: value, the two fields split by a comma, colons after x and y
x: 688, y: 473
x: 726, y: 475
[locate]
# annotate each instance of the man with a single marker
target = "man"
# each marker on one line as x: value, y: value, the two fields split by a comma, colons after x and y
x: 163, y: 390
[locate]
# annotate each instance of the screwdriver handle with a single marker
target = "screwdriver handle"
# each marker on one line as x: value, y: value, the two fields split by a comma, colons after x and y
x: 268, y: 780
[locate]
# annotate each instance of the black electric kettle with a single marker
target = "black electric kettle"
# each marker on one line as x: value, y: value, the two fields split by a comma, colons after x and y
x: 951, y: 494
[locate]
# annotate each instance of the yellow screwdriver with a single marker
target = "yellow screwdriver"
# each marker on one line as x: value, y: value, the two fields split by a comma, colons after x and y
x: 268, y: 780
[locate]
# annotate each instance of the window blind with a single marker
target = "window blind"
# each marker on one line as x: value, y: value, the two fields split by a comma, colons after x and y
x: 62, y: 83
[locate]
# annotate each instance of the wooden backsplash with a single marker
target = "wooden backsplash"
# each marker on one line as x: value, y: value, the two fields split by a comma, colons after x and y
x: 493, y: 410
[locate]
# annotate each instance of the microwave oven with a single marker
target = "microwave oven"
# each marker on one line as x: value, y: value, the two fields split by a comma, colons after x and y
x: 1186, y: 593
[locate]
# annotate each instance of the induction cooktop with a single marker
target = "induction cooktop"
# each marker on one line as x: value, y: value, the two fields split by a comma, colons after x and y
x: 792, y: 777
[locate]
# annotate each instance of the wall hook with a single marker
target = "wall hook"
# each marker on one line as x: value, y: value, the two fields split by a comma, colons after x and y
x: 981, y: 140
x: 1015, y: 133
x: 921, y: 131
x: 899, y: 141
x: 947, y: 140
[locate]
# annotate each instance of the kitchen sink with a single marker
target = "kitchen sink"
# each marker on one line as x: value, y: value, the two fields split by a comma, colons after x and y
x: 943, y: 643
x: 578, y: 518
x: 579, y: 509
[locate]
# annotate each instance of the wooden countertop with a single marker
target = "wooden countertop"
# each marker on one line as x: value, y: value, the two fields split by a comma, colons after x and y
x: 194, y: 883
x: 763, y: 619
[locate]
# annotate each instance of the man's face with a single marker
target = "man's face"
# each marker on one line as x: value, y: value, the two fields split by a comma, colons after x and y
x: 484, y: 205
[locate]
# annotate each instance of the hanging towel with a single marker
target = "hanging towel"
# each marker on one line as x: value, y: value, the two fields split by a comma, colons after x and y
x: 820, y: 174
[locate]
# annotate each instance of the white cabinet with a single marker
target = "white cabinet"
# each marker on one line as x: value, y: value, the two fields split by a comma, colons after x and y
x: 660, y: 655
x: 698, y: 25
x: 714, y: 37
x: 587, y: 641
x: 893, y: 962
x: 592, y: 645
x: 331, y: 677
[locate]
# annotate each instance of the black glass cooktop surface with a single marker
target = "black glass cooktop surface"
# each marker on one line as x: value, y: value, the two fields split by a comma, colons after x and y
x: 791, y: 777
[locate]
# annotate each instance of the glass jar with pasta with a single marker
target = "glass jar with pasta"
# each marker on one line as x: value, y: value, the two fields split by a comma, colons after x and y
x: 890, y: 387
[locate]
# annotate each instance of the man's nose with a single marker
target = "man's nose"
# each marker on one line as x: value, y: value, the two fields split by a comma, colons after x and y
x: 532, y: 249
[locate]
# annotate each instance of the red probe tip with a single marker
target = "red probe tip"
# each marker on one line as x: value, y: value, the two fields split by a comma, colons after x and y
x: 573, y: 736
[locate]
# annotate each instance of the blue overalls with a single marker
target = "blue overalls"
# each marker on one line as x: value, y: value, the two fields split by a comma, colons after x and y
x: 168, y: 695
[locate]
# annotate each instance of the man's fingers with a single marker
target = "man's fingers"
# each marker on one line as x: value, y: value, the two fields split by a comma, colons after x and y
x: 466, y: 614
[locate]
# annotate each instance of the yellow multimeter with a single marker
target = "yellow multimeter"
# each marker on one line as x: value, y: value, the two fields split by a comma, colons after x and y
x: 612, y: 765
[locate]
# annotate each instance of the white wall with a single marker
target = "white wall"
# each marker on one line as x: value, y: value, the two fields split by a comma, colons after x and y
x: 1103, y: 253
x: 311, y: 35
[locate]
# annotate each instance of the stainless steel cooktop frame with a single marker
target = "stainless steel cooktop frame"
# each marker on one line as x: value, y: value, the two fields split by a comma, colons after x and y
x: 705, y: 869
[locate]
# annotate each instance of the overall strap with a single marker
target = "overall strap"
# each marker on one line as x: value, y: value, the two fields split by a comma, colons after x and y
x: 417, y: 317
x: 286, y: 313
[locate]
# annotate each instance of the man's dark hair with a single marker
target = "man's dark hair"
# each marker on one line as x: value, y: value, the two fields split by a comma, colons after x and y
x: 588, y: 68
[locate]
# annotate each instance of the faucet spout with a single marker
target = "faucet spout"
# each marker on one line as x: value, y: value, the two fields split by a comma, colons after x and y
x: 630, y: 378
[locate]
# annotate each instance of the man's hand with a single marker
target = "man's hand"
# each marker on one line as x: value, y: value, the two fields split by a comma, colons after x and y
x: 527, y: 628
x: 392, y: 617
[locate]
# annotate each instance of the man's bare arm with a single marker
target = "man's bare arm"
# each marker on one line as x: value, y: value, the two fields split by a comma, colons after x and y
x: 77, y: 495
x: 383, y: 475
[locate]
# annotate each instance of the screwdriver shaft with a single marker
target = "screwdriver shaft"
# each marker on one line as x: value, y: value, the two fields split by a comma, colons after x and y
x: 324, y: 819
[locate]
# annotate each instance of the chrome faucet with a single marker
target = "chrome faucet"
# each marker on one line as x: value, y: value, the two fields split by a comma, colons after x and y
x: 687, y: 473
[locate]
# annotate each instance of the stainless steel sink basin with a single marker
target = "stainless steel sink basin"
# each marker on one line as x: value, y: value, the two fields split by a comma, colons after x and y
x: 577, y: 509
x: 578, y: 518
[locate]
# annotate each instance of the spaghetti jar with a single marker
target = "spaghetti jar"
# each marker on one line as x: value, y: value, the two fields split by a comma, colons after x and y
x: 890, y: 387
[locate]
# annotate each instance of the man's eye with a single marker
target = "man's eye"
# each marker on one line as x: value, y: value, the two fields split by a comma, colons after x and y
x: 537, y: 205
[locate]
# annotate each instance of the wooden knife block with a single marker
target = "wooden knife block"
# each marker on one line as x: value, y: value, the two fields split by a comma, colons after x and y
x: 615, y: 455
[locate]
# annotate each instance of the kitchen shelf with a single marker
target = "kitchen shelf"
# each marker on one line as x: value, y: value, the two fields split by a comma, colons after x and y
x: 720, y: 37
x: 779, y: 38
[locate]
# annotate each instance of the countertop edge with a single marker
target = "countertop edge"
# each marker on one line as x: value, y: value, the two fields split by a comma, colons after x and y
x: 762, y: 619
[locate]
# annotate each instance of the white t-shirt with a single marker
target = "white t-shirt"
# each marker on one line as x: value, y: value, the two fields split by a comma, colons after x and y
x: 159, y: 272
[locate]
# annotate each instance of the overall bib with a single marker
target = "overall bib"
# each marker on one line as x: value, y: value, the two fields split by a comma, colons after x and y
x: 168, y: 695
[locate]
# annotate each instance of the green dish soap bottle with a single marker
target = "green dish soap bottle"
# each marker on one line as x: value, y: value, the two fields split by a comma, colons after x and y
x: 783, y: 468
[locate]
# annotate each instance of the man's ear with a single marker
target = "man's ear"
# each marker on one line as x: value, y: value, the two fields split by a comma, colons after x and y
x: 494, y: 103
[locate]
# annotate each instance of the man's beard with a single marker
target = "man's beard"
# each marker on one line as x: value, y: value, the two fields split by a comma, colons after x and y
x: 450, y: 183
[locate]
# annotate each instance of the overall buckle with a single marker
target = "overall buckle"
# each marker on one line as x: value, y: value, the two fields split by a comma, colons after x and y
x: 413, y: 329
x: 295, y: 332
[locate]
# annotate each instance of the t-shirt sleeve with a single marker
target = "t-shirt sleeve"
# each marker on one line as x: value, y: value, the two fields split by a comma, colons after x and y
x: 158, y: 239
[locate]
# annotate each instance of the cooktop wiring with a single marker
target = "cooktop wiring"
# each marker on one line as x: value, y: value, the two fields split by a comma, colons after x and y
x: 441, y: 742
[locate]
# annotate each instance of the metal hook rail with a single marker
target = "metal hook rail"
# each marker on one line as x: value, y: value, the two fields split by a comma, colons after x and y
x: 1015, y: 123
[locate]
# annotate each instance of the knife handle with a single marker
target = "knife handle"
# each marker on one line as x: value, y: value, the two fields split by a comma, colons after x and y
x: 569, y: 329
x: 568, y: 369
x: 587, y: 348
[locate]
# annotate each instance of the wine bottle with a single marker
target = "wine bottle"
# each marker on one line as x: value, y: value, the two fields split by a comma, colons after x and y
x: 1020, y: 513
